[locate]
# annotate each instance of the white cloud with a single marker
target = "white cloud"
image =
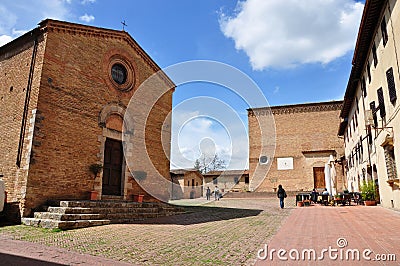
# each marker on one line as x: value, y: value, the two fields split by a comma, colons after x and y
x: 283, y: 34
x: 7, y: 21
x: 84, y: 2
x: 87, y: 18
x: 21, y: 12
x: 212, y: 129
x: 56, y: 9
x: 5, y: 39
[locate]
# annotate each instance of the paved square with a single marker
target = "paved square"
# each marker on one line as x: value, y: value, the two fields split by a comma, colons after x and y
x: 228, y: 232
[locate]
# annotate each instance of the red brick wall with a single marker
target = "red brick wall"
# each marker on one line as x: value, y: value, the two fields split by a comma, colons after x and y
x: 299, y: 129
x: 75, y: 86
x: 15, y: 64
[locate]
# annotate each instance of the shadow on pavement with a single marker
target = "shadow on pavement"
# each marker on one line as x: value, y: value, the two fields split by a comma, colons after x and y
x: 201, y: 214
x: 8, y: 259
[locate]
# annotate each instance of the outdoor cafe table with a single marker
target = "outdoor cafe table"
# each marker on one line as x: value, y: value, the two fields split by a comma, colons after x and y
x: 302, y: 196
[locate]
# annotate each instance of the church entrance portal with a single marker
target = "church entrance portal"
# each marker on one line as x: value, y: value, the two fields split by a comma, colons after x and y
x: 112, y: 170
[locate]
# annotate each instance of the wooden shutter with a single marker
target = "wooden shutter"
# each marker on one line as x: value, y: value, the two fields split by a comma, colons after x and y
x: 391, y: 85
x: 373, y: 108
x: 384, y: 31
x: 381, y: 101
x: 363, y: 86
x: 374, y: 55
x: 369, y: 72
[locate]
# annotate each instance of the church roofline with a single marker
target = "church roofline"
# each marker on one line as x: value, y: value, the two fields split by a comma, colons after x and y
x: 75, y: 28
x: 298, y: 108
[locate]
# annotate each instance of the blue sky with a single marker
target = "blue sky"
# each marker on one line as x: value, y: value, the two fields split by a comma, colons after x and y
x: 295, y: 51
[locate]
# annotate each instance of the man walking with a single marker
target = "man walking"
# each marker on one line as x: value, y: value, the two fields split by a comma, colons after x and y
x: 281, y: 195
x: 216, y: 192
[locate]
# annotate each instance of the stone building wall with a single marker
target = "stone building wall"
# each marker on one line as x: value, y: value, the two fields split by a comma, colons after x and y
x: 306, y: 134
x: 19, y: 63
x: 77, y: 101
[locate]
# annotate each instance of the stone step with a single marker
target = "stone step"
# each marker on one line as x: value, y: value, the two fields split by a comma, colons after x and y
x: 68, y: 217
x: 67, y: 214
x: 103, y: 204
x: 130, y: 216
x: 69, y: 210
x: 53, y: 224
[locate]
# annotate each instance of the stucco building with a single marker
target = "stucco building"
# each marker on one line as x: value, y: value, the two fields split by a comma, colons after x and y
x: 305, y: 137
x: 227, y: 180
x: 64, y: 91
x: 187, y: 184
x: 370, y: 113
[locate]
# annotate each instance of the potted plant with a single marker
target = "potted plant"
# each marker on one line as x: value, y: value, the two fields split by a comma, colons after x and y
x: 95, y: 169
x: 368, y: 193
x: 138, y: 198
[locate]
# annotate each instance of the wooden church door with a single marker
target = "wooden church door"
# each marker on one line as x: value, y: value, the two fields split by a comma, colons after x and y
x: 112, y: 169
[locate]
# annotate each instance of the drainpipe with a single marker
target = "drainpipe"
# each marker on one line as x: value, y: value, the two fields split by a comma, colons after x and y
x: 26, y: 104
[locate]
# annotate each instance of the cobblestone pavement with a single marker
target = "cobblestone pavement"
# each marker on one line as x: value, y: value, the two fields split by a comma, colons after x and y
x: 345, y: 231
x: 226, y: 232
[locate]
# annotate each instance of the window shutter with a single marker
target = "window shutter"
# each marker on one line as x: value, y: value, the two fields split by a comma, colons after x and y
x: 363, y: 86
x: 381, y: 101
x: 374, y: 55
x: 391, y: 85
x: 384, y: 31
x: 372, y: 106
x: 369, y: 72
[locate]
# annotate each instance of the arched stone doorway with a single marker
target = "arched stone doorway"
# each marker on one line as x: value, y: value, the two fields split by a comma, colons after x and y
x: 113, y: 178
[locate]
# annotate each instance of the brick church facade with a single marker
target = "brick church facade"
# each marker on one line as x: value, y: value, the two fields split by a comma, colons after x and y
x: 306, y: 138
x: 64, y: 90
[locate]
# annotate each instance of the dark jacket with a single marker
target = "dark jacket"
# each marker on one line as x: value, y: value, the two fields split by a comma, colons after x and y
x: 281, y: 193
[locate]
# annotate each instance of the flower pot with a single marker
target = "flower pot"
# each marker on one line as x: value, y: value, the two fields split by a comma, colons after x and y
x: 94, y: 195
x: 370, y: 202
x: 138, y: 198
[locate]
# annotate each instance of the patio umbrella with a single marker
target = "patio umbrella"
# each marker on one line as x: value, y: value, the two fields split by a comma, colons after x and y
x: 333, y: 178
x: 328, y: 178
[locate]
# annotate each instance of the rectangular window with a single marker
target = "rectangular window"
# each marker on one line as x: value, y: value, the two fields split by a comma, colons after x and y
x: 391, y: 85
x: 369, y: 72
x: 355, y: 121
x: 384, y: 31
x: 363, y: 87
x: 358, y: 109
x: 381, y: 100
x: 374, y: 55
x: 350, y: 128
x: 374, y: 110
x: 390, y: 162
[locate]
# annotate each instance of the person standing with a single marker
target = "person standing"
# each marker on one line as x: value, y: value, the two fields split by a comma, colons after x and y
x: 208, y: 193
x: 281, y: 195
x: 216, y: 192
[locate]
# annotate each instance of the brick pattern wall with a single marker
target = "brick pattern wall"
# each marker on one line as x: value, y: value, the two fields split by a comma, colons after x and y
x: 74, y: 88
x: 15, y: 64
x: 307, y: 133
